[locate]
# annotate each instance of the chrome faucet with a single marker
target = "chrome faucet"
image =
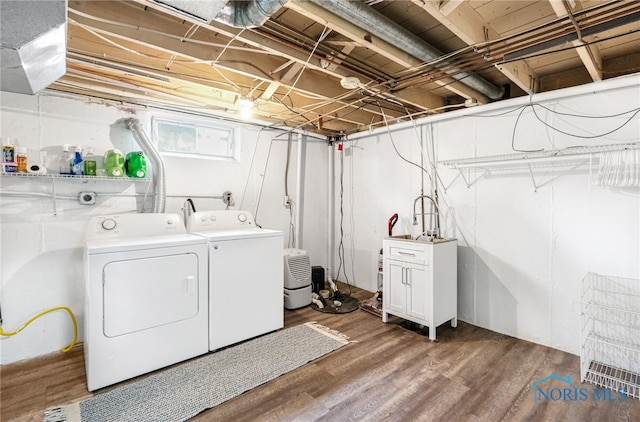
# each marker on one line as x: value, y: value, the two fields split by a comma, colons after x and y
x: 435, y: 233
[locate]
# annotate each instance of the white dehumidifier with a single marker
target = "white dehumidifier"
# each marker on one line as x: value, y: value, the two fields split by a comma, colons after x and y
x: 297, y: 278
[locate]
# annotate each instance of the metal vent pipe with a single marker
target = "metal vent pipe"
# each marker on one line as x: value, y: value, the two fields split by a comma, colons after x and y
x: 384, y: 28
x: 33, y: 37
x: 150, y: 151
x: 251, y: 14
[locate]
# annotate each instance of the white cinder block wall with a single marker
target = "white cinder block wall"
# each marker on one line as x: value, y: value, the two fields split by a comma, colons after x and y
x: 42, y: 239
x: 522, y: 253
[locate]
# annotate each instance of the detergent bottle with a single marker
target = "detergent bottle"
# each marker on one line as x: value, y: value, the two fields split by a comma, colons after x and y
x: 114, y: 163
x: 90, y: 163
x: 77, y: 166
x: 136, y: 164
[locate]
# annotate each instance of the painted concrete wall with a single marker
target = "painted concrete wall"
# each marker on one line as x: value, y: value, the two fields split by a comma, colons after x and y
x: 42, y: 238
x: 522, y: 253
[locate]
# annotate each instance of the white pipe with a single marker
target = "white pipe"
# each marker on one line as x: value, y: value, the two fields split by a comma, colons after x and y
x: 302, y: 150
x: 331, y: 168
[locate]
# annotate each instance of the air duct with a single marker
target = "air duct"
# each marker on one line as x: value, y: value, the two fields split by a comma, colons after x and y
x: 236, y: 13
x: 384, y: 28
x: 202, y: 10
x: 34, y: 44
x: 252, y: 14
x: 157, y: 162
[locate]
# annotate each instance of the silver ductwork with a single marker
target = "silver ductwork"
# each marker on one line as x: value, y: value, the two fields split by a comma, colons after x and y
x: 384, y: 28
x: 159, y: 182
x: 239, y: 14
x: 251, y: 14
x: 205, y: 11
x: 34, y: 44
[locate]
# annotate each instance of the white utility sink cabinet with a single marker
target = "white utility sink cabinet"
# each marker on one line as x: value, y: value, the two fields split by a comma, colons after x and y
x: 420, y: 281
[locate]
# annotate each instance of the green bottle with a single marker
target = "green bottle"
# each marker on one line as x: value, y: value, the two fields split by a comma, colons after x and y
x: 114, y: 163
x: 136, y: 164
x: 90, y: 165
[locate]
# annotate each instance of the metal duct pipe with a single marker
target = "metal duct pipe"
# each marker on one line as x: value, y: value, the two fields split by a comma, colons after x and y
x: 150, y: 151
x: 239, y: 14
x: 34, y: 44
x: 384, y: 28
x: 249, y: 14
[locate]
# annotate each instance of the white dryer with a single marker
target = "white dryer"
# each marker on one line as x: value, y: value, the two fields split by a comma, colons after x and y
x: 146, y: 296
x: 245, y: 275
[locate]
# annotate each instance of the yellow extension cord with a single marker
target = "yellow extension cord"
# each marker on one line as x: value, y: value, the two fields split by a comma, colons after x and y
x: 33, y: 318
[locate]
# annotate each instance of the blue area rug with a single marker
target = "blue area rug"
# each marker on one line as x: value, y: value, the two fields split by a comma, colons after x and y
x: 183, y: 391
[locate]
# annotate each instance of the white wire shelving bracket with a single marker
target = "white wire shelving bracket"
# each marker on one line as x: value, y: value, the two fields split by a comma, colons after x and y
x: 571, y: 158
x: 57, y: 178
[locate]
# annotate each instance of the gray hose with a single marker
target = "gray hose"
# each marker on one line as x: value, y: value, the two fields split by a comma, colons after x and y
x: 156, y: 159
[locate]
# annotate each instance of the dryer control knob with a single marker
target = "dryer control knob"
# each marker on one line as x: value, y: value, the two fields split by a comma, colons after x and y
x: 242, y: 217
x: 213, y: 218
x: 109, y: 224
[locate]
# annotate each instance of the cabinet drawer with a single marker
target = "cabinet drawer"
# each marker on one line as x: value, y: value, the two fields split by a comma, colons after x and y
x: 406, y: 252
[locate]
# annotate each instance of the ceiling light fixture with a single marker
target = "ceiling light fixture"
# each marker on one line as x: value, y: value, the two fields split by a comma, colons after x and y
x: 245, y: 105
x: 350, y: 82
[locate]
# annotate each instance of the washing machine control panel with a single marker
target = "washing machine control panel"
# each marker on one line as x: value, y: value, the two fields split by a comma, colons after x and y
x: 134, y: 225
x: 219, y: 220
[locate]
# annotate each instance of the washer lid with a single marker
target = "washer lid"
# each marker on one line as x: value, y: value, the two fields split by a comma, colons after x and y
x: 238, y: 234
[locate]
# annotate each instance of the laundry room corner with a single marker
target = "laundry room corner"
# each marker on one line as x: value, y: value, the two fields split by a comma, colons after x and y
x: 43, y: 218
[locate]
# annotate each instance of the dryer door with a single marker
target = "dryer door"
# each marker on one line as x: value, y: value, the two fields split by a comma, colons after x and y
x: 145, y: 293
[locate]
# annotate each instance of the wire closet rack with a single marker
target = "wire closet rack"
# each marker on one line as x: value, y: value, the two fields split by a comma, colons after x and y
x: 610, y: 336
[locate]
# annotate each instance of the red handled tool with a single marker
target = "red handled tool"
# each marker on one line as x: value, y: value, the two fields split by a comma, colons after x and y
x: 392, y: 222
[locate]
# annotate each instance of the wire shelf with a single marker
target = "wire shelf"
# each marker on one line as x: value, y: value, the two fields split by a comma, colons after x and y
x: 73, y: 177
x: 610, y: 335
x: 567, y: 156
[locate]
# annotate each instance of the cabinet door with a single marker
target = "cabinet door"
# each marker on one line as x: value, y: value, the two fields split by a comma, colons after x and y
x: 395, y: 295
x: 418, y: 292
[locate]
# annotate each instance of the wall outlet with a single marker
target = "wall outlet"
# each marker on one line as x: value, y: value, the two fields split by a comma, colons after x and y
x: 286, y: 201
x: 87, y: 198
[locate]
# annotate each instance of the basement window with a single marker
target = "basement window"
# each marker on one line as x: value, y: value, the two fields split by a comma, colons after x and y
x: 196, y: 139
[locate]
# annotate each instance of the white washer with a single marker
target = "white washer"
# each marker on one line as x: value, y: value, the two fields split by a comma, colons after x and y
x: 245, y: 276
x: 146, y: 296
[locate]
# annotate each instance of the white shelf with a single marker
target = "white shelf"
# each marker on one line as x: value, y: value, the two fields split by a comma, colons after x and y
x: 570, y: 159
x: 610, y: 336
x: 565, y: 156
x: 69, y: 177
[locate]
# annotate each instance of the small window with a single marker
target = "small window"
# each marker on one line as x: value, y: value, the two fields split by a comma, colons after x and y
x: 201, y: 139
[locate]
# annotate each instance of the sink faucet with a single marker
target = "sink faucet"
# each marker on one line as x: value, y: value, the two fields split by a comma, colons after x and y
x: 435, y: 214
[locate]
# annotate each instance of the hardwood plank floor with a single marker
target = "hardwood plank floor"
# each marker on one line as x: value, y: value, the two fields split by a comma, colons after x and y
x: 387, y: 373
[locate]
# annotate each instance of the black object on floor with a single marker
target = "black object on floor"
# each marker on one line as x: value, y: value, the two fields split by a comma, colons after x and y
x: 347, y: 304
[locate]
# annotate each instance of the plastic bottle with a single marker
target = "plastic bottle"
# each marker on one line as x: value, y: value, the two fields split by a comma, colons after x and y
x: 135, y: 164
x: 8, y: 157
x: 114, y: 163
x: 77, y: 167
x: 65, y: 160
x: 90, y: 164
x: 21, y: 159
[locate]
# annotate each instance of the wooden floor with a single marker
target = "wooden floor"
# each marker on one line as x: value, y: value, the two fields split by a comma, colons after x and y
x: 387, y: 373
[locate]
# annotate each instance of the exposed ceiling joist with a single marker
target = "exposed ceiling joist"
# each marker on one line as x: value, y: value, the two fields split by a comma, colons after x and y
x: 306, y: 64
x: 589, y: 54
x: 467, y: 25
